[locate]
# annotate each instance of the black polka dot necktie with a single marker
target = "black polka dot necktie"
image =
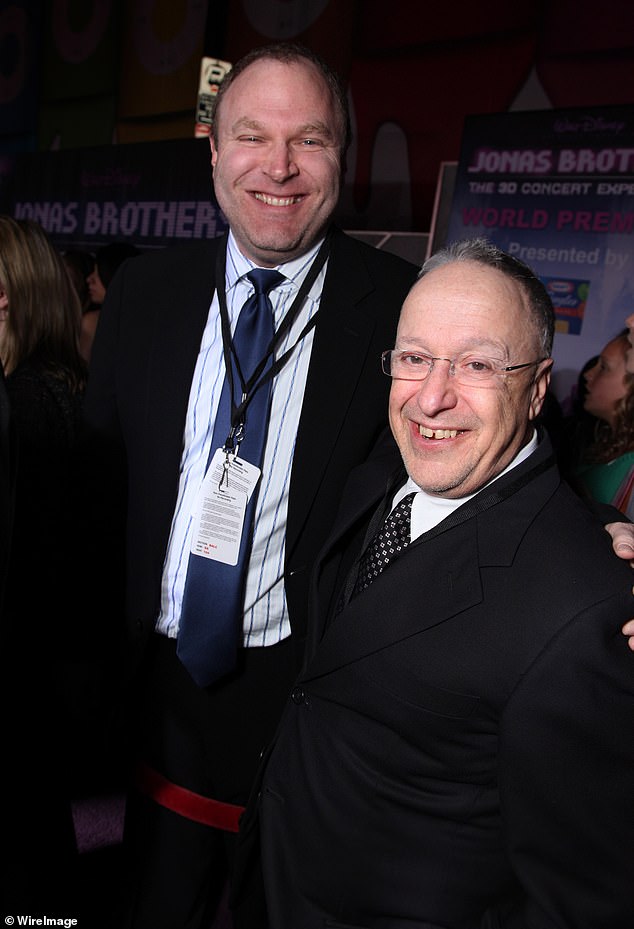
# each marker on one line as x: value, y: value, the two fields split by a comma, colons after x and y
x: 392, y: 537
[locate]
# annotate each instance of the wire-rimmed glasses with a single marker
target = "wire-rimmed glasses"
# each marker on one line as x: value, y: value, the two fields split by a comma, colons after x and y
x: 469, y: 369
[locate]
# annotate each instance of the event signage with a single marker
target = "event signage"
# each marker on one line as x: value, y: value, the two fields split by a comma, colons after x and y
x: 555, y: 188
x: 151, y: 194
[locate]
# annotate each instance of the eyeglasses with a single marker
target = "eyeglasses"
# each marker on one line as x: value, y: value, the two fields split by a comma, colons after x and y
x: 469, y: 370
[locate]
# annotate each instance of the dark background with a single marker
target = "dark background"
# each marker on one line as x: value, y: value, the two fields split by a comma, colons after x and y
x: 92, y: 73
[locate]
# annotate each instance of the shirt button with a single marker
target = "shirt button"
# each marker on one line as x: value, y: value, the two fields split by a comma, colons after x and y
x: 298, y: 696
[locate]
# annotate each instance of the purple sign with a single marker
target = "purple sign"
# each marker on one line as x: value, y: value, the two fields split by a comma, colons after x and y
x: 555, y: 188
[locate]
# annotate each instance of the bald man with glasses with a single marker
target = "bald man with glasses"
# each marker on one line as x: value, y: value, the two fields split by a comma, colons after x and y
x: 457, y: 749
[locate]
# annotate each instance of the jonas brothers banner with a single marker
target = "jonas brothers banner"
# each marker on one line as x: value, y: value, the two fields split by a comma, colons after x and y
x: 151, y: 194
x: 556, y: 189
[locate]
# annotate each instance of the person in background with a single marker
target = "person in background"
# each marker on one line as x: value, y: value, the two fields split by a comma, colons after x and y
x: 629, y: 358
x: 606, y: 469
x: 628, y: 629
x: 80, y: 265
x: 457, y: 749
x: 107, y: 260
x: 7, y: 484
x: 45, y: 378
x: 577, y: 427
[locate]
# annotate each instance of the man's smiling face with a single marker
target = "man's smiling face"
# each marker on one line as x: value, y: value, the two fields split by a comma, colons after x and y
x: 454, y: 439
x: 277, y: 162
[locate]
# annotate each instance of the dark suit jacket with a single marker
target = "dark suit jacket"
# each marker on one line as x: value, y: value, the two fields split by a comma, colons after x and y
x: 141, y: 370
x: 457, y: 751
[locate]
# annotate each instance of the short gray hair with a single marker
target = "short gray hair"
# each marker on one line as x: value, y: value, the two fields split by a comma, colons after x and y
x: 484, y: 252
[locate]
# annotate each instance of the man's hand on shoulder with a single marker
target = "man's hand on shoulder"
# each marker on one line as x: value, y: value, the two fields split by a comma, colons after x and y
x: 623, y: 544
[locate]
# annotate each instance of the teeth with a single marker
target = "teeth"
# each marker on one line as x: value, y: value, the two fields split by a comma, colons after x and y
x: 438, y: 433
x: 276, y: 201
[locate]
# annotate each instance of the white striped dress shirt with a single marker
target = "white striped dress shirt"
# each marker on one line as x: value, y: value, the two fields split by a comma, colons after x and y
x: 265, y: 613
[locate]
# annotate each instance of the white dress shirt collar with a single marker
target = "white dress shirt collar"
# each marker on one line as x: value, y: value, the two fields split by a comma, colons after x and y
x: 429, y: 510
x: 237, y: 265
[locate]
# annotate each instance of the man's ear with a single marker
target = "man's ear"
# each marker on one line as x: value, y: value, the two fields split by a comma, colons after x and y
x: 539, y: 388
x: 214, y: 151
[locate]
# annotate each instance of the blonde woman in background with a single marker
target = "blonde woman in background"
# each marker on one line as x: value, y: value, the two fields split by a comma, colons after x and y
x: 45, y: 377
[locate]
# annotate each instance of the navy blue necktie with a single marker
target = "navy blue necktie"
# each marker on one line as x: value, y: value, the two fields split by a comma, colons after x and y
x: 211, y: 615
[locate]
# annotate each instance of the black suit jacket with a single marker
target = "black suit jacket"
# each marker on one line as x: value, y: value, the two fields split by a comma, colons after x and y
x: 141, y: 369
x: 457, y: 751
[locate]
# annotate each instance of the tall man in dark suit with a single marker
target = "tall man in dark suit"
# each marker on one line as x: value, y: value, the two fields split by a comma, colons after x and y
x: 457, y: 751
x: 280, y: 134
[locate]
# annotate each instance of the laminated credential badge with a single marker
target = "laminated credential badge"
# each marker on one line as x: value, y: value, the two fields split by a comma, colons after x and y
x: 221, y: 507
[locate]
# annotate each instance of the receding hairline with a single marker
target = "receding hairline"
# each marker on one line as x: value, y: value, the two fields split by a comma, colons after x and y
x: 289, y: 55
x: 486, y: 254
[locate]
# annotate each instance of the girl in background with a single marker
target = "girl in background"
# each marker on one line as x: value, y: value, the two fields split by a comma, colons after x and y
x: 606, y: 472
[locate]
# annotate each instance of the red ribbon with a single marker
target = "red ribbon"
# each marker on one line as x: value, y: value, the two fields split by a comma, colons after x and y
x: 187, y: 803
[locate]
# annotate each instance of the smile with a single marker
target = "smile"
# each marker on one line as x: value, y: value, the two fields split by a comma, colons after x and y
x: 276, y: 201
x: 437, y: 433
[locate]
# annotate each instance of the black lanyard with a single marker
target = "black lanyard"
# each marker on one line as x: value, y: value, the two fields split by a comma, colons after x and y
x: 259, y: 376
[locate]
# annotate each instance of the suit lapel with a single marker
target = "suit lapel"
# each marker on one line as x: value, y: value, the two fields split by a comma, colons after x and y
x: 342, y: 339
x: 423, y: 587
x: 438, y: 576
x: 363, y: 506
